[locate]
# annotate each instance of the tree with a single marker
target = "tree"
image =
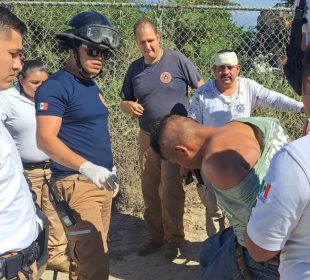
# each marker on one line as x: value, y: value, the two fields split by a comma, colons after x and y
x: 287, y: 3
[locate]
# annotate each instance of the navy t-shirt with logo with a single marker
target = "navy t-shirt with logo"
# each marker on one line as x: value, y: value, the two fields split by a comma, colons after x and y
x: 162, y: 87
x: 84, y: 127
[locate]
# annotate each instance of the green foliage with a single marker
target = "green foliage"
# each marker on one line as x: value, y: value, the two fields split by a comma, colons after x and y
x: 199, y: 34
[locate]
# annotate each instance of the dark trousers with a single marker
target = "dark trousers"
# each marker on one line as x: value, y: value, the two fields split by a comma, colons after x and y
x: 218, y: 260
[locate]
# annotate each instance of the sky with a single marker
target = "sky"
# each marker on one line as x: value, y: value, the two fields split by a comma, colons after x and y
x: 257, y: 3
x: 249, y: 19
x: 243, y: 18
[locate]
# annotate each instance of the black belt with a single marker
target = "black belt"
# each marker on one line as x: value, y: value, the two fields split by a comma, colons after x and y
x: 35, y: 165
x: 20, y: 261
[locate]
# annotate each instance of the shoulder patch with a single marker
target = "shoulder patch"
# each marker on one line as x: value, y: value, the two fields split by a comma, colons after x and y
x: 43, y: 106
x: 264, y: 191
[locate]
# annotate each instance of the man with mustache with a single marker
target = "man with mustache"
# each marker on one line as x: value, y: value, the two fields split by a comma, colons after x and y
x: 223, y: 99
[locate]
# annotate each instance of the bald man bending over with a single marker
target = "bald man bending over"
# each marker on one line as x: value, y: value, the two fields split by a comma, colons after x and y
x: 234, y: 157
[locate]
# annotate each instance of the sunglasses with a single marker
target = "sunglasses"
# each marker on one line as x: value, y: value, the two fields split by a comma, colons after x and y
x: 95, y: 52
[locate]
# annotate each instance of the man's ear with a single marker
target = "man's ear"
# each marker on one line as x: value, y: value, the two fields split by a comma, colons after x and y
x: 158, y: 37
x: 182, y: 150
x: 21, y: 80
x: 238, y: 68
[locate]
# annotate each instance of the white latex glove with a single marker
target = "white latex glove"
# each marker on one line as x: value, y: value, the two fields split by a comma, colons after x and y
x: 115, y: 191
x: 100, y: 176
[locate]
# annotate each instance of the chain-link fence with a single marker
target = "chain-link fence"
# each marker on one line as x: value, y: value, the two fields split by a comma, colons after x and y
x: 258, y: 35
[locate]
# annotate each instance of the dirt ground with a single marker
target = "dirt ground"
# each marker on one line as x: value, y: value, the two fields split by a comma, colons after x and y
x: 127, y: 234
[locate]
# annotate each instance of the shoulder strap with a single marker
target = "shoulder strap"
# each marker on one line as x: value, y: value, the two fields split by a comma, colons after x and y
x: 294, y: 53
x: 295, y: 36
x: 299, y: 11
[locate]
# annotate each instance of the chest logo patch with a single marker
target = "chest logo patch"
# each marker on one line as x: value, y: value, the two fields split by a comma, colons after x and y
x: 165, y: 77
x: 240, y: 108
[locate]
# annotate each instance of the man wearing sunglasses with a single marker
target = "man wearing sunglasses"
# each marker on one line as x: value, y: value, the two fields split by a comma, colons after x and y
x: 72, y: 128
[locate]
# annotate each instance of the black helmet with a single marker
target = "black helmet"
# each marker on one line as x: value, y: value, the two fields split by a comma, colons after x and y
x: 89, y: 27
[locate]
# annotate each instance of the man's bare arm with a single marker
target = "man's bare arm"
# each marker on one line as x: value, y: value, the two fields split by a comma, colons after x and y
x: 257, y: 253
x: 200, y: 83
x: 47, y: 130
x: 132, y: 107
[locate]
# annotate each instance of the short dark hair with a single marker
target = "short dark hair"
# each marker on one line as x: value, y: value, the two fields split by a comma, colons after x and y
x: 10, y: 21
x: 30, y: 65
x: 142, y: 22
x: 157, y: 127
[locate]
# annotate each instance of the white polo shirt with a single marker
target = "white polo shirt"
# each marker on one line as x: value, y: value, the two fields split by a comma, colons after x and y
x: 18, y: 116
x: 210, y: 107
x: 18, y: 220
x: 281, y: 218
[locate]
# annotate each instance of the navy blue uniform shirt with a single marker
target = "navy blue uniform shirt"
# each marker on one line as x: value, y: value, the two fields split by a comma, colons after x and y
x: 162, y: 87
x: 84, y: 127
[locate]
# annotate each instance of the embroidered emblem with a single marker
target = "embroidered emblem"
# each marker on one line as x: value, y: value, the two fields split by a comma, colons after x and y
x: 240, y: 108
x: 263, y: 193
x: 43, y: 106
x: 165, y: 77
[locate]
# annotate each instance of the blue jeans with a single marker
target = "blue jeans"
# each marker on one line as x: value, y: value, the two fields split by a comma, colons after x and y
x: 218, y: 261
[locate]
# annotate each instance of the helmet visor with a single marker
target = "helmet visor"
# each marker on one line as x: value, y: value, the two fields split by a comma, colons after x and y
x: 99, y: 34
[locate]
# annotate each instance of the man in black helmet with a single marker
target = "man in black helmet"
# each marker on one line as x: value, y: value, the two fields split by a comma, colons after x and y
x: 72, y: 128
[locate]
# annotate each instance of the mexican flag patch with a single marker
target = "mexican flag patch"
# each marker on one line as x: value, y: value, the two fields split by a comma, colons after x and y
x: 263, y: 194
x: 42, y: 106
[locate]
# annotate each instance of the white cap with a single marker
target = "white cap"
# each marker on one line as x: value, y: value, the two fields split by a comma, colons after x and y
x: 226, y: 58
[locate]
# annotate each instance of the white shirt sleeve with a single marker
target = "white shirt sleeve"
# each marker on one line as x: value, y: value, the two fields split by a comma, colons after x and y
x: 196, y: 108
x: 275, y: 100
x: 280, y: 203
x: 4, y: 108
x: 3, y: 115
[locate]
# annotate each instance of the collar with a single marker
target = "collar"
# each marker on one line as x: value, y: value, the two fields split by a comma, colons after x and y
x: 17, y: 93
